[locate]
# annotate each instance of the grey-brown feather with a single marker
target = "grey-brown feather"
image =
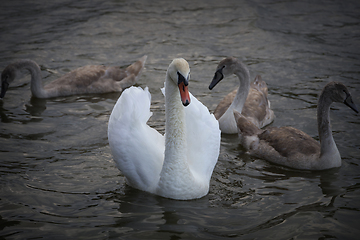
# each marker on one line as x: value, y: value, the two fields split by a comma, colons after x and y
x: 255, y: 107
x: 288, y: 141
x: 87, y: 79
x: 293, y: 148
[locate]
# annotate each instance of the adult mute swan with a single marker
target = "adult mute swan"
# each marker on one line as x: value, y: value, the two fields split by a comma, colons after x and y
x: 293, y: 148
x: 178, y: 165
x: 87, y: 79
x: 250, y: 98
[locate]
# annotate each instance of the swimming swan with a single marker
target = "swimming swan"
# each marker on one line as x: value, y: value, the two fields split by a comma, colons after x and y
x: 87, y: 79
x: 293, y: 148
x: 250, y: 99
x: 177, y: 165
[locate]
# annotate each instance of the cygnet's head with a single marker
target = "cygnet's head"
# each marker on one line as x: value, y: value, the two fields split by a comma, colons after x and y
x: 7, y: 76
x: 225, y: 68
x: 337, y: 92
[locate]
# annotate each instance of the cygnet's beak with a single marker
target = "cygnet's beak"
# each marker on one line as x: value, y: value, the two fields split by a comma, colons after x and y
x: 4, y: 88
x: 349, y: 102
x: 217, y: 78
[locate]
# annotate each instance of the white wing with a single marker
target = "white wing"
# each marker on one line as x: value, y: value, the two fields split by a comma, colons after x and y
x: 204, y: 137
x: 138, y: 149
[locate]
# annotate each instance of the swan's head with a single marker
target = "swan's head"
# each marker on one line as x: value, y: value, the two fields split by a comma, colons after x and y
x: 7, y: 76
x: 338, y: 92
x: 179, y: 72
x: 225, y: 68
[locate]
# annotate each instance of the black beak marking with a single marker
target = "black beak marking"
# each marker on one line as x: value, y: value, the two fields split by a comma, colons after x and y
x: 4, y: 88
x: 349, y: 102
x: 182, y: 79
x: 217, y: 78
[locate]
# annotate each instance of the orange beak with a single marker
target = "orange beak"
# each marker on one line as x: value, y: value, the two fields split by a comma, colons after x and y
x: 184, y: 94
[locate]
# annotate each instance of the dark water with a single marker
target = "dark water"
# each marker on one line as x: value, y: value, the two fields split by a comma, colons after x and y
x: 58, y: 179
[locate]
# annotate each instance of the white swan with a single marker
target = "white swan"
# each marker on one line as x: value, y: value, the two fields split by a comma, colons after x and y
x: 87, y: 79
x: 178, y: 165
x: 250, y: 99
x: 293, y: 148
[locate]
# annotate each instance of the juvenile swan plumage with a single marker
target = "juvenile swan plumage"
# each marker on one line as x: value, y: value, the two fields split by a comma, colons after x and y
x: 178, y: 165
x: 250, y: 98
x: 87, y: 79
x: 293, y: 148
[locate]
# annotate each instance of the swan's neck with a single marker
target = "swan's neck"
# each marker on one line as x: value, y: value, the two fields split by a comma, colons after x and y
x: 37, y: 89
x: 329, y: 154
x: 175, y: 173
x: 175, y: 127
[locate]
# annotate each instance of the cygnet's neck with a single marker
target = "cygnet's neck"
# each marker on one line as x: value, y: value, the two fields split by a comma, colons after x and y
x: 37, y: 89
x: 242, y: 72
x: 227, y: 121
x: 329, y: 154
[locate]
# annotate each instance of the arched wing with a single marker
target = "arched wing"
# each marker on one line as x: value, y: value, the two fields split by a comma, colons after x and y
x: 138, y: 149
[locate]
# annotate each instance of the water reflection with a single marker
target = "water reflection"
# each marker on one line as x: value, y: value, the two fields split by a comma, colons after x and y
x: 3, y: 115
x: 143, y: 212
x: 329, y: 183
x: 36, y: 106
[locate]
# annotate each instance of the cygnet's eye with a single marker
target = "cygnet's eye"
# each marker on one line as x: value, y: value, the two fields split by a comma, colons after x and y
x: 5, y: 77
